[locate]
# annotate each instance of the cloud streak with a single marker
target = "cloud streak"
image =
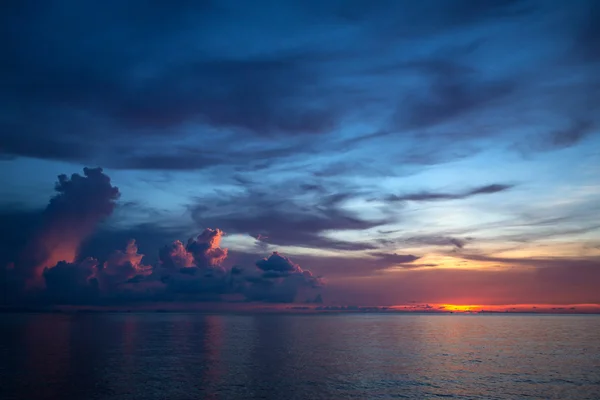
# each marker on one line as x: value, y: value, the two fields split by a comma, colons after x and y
x: 440, y: 196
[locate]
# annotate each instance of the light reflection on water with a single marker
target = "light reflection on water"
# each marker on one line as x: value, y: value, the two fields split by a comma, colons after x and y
x: 185, y: 356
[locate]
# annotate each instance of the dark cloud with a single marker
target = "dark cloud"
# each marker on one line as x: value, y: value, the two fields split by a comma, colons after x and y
x: 281, y: 281
x: 277, y: 263
x: 123, y: 278
x: 447, y: 100
x: 149, y: 237
x: 438, y: 196
x: 184, y: 272
x: 71, y: 283
x: 280, y: 219
x: 575, y: 132
x: 74, y: 87
x: 71, y: 216
x: 572, y: 135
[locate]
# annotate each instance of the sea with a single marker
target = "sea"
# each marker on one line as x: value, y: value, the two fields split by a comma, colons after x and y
x: 284, y: 356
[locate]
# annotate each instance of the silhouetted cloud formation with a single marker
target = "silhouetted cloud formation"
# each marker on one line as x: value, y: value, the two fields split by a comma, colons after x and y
x: 71, y: 216
x: 71, y: 283
x: 183, y: 274
x: 281, y: 280
x: 190, y: 272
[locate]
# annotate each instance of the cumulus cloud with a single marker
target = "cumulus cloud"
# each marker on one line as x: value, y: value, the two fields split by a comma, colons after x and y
x: 123, y: 277
x: 201, y: 252
x: 72, y: 215
x: 123, y: 267
x: 206, y: 248
x: 280, y: 281
x: 193, y: 271
x: 175, y: 255
x: 277, y: 262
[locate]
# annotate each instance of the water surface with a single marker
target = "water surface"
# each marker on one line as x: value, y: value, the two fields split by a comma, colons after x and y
x: 357, y: 356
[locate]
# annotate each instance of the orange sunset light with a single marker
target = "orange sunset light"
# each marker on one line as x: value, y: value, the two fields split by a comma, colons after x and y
x: 460, y: 308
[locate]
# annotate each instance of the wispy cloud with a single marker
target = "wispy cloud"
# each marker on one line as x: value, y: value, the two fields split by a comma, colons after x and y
x: 439, y: 196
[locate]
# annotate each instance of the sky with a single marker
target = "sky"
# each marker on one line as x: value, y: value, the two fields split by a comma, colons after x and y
x: 344, y: 151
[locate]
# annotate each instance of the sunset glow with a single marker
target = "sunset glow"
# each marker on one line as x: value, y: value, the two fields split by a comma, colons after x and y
x: 339, y: 155
x: 300, y: 199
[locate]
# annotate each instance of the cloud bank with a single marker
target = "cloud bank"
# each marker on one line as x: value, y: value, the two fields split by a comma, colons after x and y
x: 191, y: 272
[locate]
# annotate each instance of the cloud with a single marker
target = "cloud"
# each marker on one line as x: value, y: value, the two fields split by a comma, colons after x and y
x: 123, y: 277
x: 391, y: 260
x: 195, y: 270
x: 275, y: 215
x: 434, y: 240
x: 184, y: 272
x: 448, y: 100
x: 71, y: 283
x: 278, y: 263
x: 354, y: 266
x: 574, y: 132
x: 281, y: 280
x: 283, y: 105
x: 175, y: 256
x: 438, y: 196
x: 202, y: 252
x: 206, y: 248
x: 122, y: 267
x: 572, y: 135
x: 75, y: 90
x: 71, y: 216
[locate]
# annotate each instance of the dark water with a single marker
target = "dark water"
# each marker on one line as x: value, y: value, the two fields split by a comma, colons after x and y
x: 194, y: 356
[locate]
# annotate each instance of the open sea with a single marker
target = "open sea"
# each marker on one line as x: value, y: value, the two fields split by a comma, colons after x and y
x: 343, y: 356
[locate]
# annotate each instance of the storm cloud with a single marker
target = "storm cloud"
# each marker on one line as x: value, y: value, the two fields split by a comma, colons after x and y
x: 81, y: 203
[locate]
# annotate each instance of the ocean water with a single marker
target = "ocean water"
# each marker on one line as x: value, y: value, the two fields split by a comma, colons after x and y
x: 345, y: 356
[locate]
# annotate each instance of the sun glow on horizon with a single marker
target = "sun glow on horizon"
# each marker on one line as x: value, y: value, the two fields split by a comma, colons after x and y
x: 460, y: 308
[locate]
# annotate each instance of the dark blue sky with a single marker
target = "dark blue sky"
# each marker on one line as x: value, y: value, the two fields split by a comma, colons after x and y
x: 351, y: 135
